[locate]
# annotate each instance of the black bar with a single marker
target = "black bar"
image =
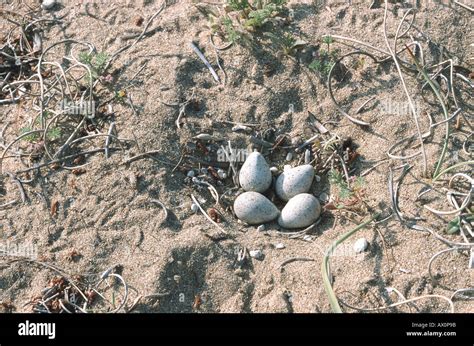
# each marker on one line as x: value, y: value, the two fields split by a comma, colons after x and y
x: 243, y: 329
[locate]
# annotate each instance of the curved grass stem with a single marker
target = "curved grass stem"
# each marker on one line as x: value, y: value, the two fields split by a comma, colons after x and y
x: 435, y: 87
x: 325, y: 264
x: 449, y: 169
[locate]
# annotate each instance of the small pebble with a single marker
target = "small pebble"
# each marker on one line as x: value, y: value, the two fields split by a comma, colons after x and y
x: 307, y: 157
x: 257, y: 254
x: 279, y: 246
x: 48, y: 4
x: 324, y: 197
x: 274, y: 170
x: 471, y: 262
x: 254, y: 71
x: 222, y: 174
x: 289, y: 156
x: 240, y: 127
x: 194, y: 208
x: 360, y: 245
x: 190, y: 174
x: 261, y: 228
x: 291, y: 14
x: 239, y: 272
x: 295, y: 141
x: 291, y: 108
x: 317, y: 178
x: 307, y: 238
x: 132, y: 178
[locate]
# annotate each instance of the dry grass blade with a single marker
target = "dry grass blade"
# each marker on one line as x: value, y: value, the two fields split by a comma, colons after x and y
x: 207, y: 216
x: 325, y: 264
x: 409, y: 98
x: 205, y: 61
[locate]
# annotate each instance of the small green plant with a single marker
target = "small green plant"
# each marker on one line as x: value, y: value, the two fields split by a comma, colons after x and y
x: 53, y: 134
x: 347, y: 195
x: 328, y: 40
x: 257, y: 18
x: 238, y: 5
x: 29, y: 138
x: 243, y: 17
x: 335, y: 177
x: 288, y: 43
x: 455, y: 224
x: 96, y: 63
x: 121, y: 96
x: 232, y: 34
x: 323, y: 63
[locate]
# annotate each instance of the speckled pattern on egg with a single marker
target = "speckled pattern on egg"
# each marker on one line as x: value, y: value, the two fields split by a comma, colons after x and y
x: 254, y: 208
x: 300, y: 211
x: 255, y: 174
x: 294, y: 181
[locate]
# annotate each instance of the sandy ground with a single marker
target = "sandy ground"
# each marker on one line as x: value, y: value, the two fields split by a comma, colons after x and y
x: 106, y: 214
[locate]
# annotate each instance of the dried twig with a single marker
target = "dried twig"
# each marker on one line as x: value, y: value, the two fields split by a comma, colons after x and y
x: 205, y: 61
x: 207, y: 216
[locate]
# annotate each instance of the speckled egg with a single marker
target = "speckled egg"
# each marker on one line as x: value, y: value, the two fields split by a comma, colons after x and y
x: 300, y: 211
x: 255, y: 174
x: 254, y: 208
x: 294, y: 181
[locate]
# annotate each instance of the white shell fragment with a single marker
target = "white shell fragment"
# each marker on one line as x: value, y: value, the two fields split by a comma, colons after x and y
x: 261, y: 228
x: 254, y: 208
x: 255, y: 174
x: 471, y: 261
x: 295, y: 141
x: 307, y: 157
x: 279, y: 246
x: 222, y: 174
x: 257, y: 254
x: 48, y: 4
x: 274, y: 170
x: 240, y: 127
x: 289, y: 156
x: 194, y: 208
x: 361, y: 245
x: 294, y: 181
x: 300, y: 211
x: 204, y: 137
